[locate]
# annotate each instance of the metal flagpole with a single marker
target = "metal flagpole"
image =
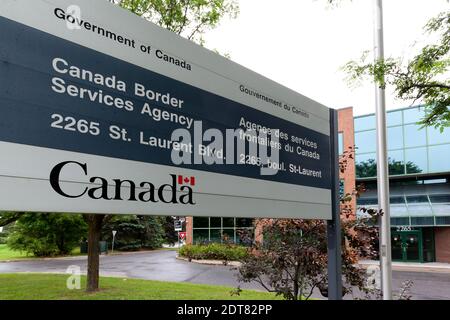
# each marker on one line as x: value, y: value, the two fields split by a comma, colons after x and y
x: 382, y: 164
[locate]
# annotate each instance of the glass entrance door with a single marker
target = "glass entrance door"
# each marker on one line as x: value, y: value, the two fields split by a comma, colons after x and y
x: 396, y: 244
x: 413, y: 246
x: 407, y: 246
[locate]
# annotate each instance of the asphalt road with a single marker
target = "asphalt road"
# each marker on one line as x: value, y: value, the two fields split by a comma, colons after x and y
x: 162, y: 265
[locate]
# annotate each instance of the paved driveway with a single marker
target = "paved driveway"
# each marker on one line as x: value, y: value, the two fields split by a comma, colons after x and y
x: 162, y: 265
x: 153, y: 265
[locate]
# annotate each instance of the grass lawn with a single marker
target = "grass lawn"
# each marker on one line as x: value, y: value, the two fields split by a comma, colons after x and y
x: 8, y: 254
x: 53, y: 287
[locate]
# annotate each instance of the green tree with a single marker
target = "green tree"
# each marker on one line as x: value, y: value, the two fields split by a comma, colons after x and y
x: 422, y: 78
x: 188, y: 18
x: 170, y: 235
x: 7, y: 217
x: 47, y: 234
x: 134, y: 232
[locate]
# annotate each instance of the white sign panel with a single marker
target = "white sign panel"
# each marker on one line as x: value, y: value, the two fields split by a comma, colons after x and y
x: 104, y: 112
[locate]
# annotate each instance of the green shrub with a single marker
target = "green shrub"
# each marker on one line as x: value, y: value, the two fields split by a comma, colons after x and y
x: 214, y: 251
x: 47, y: 234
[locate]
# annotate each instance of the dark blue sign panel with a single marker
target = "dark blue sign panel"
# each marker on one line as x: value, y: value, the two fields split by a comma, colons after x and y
x: 60, y: 95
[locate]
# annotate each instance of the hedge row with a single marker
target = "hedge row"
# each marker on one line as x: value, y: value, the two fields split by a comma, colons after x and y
x: 213, y: 251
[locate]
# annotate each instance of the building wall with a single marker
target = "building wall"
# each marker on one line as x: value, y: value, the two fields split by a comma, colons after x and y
x: 346, y: 128
x: 419, y: 175
x: 189, y: 225
x: 442, y: 244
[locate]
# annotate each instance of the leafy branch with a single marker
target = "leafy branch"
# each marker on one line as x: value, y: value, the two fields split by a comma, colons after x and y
x: 423, y: 78
x: 188, y: 18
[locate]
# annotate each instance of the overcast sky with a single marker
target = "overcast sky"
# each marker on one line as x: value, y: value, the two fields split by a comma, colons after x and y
x: 303, y: 43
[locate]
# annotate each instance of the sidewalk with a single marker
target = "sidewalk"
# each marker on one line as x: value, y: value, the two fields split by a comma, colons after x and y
x: 411, y: 266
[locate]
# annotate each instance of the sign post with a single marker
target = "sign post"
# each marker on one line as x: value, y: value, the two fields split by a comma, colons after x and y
x: 181, y: 237
x: 114, y: 236
x: 334, y: 225
x: 178, y: 224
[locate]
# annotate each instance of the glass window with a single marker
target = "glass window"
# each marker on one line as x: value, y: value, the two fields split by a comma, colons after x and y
x: 420, y: 210
x: 364, y: 123
x: 394, y: 118
x: 416, y: 160
x: 396, y: 162
x: 436, y: 137
x: 341, y: 142
x: 413, y: 115
x: 367, y: 201
x: 228, y: 222
x: 341, y: 188
x: 217, y: 229
x: 434, y: 181
x: 244, y: 222
x: 400, y: 221
x: 419, y: 206
x: 365, y: 141
x: 422, y: 221
x: 417, y: 199
x: 439, y: 158
x: 441, y: 209
x: 398, y: 210
x: 201, y: 222
x: 443, y: 220
x: 228, y: 235
x: 414, y: 136
x: 366, y: 165
x: 215, y: 222
x: 397, y: 200
x: 216, y: 235
x: 440, y: 198
x: 200, y: 235
x: 395, y: 138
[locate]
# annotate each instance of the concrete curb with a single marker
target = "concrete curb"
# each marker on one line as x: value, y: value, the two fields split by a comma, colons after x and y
x: 212, y: 262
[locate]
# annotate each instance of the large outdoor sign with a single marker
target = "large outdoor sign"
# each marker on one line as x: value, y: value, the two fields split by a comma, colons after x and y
x: 104, y: 112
